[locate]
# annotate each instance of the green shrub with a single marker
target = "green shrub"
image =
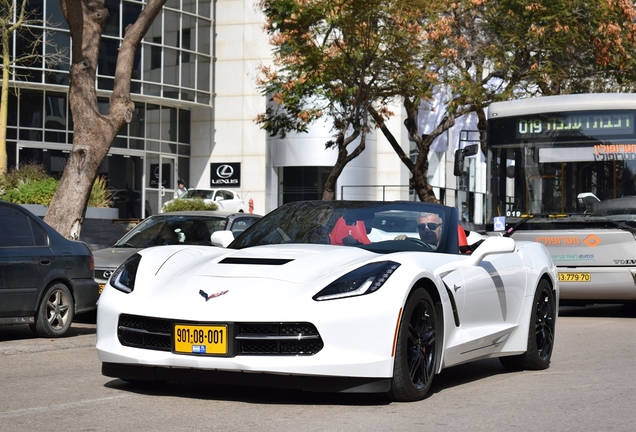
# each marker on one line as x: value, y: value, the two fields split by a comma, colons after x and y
x: 188, y: 204
x: 100, y: 195
x: 33, y: 192
x: 32, y: 185
x: 26, y: 174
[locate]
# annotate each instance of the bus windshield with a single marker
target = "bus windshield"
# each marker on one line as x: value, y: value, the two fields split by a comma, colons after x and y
x: 563, y: 163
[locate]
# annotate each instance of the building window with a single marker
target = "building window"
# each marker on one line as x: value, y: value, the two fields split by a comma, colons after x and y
x: 304, y: 183
x: 155, y: 53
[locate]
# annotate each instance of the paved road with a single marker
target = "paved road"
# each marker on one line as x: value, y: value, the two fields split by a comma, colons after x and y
x: 56, y: 385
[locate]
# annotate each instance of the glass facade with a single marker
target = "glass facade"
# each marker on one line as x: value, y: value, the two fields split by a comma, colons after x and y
x: 172, y: 74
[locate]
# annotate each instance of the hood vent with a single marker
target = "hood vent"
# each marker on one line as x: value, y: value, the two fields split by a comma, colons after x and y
x: 255, y: 261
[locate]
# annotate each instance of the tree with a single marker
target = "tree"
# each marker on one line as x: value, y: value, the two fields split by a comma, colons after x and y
x: 18, y: 22
x: 484, y: 51
x: 93, y: 132
x: 333, y: 59
x: 475, y: 51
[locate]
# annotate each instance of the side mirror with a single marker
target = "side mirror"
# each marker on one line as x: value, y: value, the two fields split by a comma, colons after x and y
x: 587, y: 198
x: 222, y: 238
x: 460, y: 155
x: 492, y: 245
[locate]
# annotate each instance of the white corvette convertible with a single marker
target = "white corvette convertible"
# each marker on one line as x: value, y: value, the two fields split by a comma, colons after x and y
x: 331, y: 296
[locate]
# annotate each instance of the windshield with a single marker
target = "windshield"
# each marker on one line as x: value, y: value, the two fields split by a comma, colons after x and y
x: 172, y: 229
x: 378, y: 226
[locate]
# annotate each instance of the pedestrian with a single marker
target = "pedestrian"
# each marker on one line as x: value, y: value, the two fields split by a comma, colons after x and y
x: 181, y: 189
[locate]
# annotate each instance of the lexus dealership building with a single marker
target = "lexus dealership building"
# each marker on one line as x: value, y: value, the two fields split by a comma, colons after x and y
x: 195, y: 94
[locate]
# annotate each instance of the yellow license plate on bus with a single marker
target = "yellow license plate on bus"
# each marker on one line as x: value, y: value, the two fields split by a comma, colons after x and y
x: 200, y: 339
x: 574, y: 277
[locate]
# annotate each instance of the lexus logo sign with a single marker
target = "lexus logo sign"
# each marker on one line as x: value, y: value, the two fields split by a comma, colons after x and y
x: 225, y: 174
x: 225, y: 171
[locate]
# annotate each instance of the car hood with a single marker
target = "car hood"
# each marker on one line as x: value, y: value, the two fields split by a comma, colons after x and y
x: 298, y: 263
x: 112, y: 257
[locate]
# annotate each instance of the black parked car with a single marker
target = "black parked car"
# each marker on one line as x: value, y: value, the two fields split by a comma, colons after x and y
x: 45, y: 279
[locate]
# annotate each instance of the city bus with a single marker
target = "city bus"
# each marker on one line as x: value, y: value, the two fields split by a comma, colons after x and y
x: 561, y: 170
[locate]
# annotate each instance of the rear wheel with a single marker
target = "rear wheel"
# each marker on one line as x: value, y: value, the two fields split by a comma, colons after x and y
x: 56, y: 311
x: 416, y: 349
x: 540, y: 333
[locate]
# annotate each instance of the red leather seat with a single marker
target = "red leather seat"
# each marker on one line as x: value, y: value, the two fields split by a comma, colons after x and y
x: 463, y: 241
x: 342, y: 233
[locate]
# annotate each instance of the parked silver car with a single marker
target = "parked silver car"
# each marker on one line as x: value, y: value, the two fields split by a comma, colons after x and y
x: 186, y: 227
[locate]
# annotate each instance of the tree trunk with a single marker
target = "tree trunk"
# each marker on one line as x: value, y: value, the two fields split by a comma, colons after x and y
x: 343, y: 159
x: 93, y: 132
x: 4, y: 103
x: 419, y: 169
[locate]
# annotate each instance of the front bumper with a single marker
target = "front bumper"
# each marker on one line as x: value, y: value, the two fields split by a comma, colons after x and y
x: 357, y: 335
x: 294, y: 382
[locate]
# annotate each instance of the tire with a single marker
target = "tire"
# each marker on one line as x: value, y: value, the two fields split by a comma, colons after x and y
x: 56, y: 312
x: 540, y: 333
x: 416, y: 350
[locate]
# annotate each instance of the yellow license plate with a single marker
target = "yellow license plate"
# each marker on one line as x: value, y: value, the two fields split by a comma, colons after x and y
x: 574, y: 277
x: 200, y: 339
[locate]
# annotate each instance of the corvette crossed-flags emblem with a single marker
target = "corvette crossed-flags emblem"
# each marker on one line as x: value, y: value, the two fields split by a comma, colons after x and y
x: 211, y: 296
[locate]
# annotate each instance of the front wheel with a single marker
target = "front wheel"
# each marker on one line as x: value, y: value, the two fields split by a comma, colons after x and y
x: 416, y: 349
x: 55, y: 314
x: 540, y: 333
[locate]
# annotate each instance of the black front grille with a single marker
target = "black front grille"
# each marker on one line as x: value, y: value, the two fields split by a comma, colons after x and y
x: 278, y: 339
x: 144, y: 332
x: 249, y: 338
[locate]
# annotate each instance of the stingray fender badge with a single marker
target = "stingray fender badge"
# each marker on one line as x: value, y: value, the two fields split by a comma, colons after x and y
x: 211, y: 296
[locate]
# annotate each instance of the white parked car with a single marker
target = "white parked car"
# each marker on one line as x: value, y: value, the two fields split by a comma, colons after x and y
x: 226, y: 199
x: 331, y: 296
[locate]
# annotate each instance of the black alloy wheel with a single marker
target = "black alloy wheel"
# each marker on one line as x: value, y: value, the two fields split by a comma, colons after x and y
x: 416, y: 349
x: 540, y: 333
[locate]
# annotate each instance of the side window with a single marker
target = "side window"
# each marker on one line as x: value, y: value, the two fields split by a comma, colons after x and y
x: 39, y: 235
x: 241, y: 225
x: 15, y: 228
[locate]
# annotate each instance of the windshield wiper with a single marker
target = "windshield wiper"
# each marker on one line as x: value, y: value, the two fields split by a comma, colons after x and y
x: 126, y: 245
x: 513, y: 228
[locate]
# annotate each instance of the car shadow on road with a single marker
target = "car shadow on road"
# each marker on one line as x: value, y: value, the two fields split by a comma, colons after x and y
x: 599, y: 310
x: 451, y: 377
x: 255, y: 395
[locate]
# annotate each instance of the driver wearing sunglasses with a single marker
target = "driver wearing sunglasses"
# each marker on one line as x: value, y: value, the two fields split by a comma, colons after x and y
x: 429, y: 227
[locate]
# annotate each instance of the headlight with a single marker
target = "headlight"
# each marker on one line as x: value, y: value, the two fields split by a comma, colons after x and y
x: 364, y: 280
x: 124, y: 277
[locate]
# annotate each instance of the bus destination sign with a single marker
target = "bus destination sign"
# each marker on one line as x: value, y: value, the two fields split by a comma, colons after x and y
x: 575, y: 124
